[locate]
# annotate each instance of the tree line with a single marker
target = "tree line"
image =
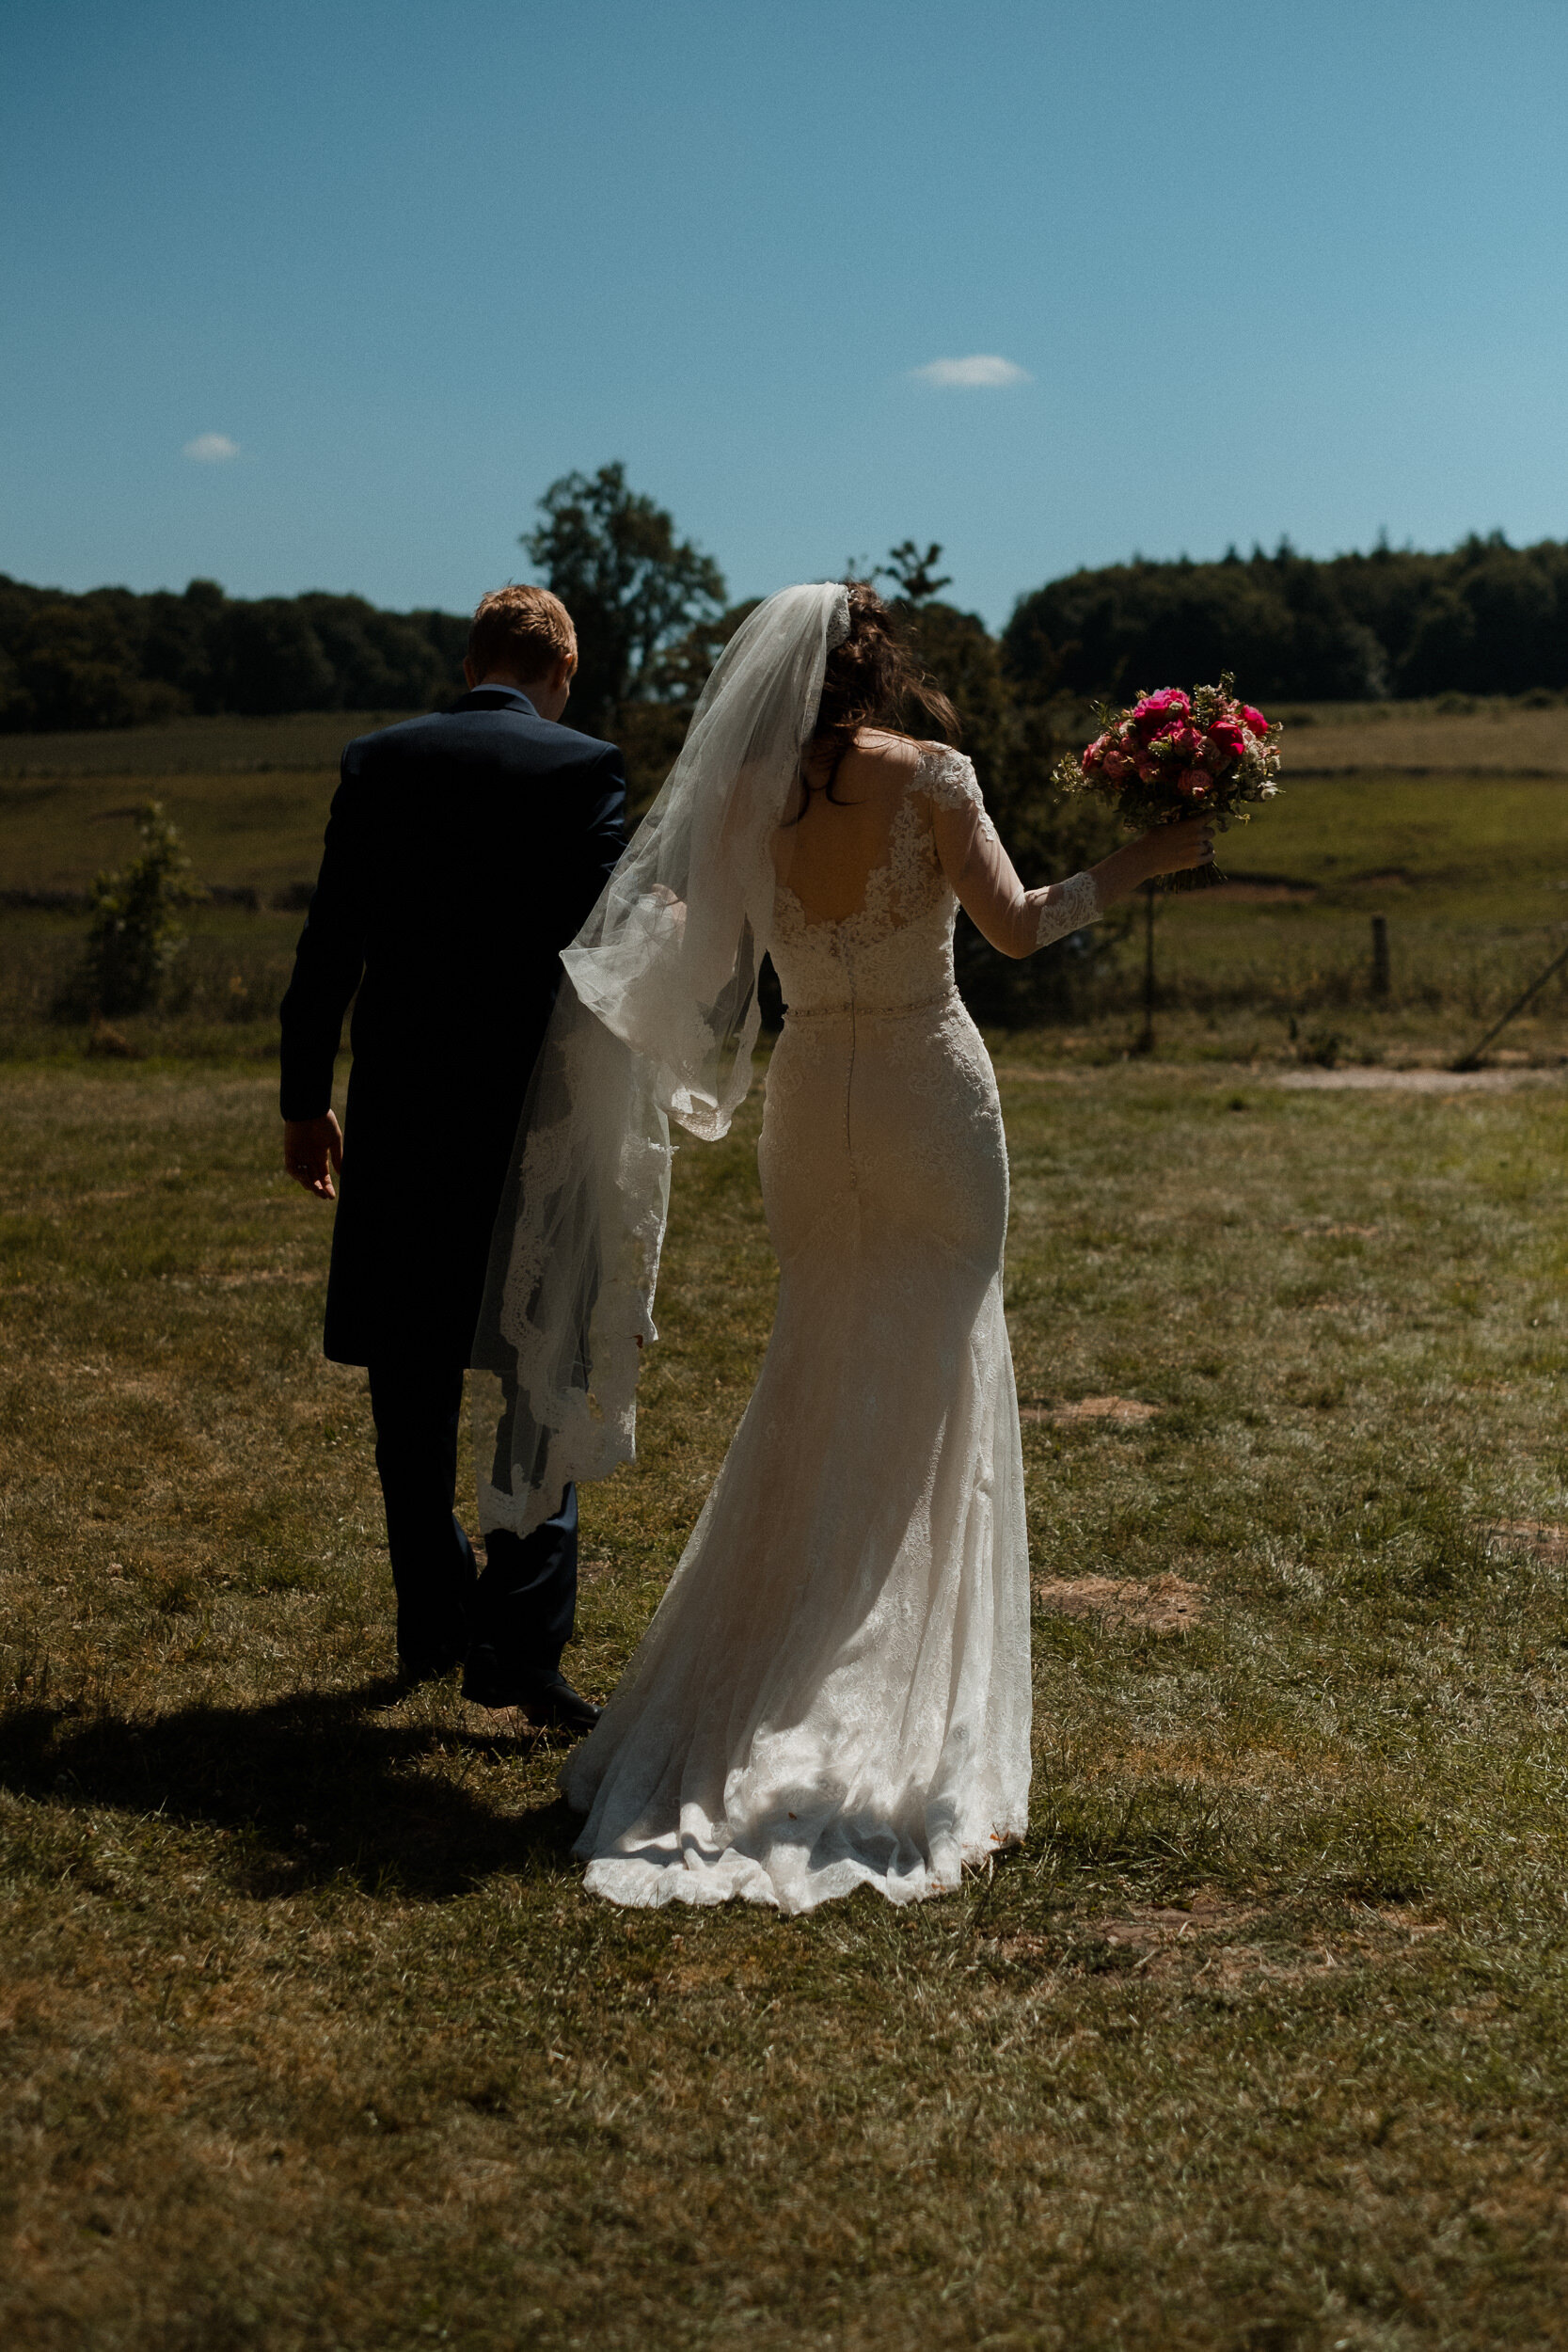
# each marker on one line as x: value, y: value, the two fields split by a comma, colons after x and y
x: 114, y: 658
x: 1485, y: 618
x: 652, y: 612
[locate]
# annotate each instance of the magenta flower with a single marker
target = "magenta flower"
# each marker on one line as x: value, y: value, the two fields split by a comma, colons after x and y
x: 1157, y: 711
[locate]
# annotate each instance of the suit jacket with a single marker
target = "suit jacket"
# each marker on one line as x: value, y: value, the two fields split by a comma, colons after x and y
x: 462, y: 852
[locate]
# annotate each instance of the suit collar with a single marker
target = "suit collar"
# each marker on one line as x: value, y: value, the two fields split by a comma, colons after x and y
x: 495, y: 698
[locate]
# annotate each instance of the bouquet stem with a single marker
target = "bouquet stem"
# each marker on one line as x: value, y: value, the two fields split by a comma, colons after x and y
x: 1193, y: 877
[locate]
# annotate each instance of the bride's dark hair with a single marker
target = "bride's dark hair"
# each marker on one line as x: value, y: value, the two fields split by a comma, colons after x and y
x: 871, y: 679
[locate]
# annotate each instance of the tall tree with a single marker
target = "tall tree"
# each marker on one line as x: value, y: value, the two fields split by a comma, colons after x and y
x: 914, y: 576
x: 631, y: 587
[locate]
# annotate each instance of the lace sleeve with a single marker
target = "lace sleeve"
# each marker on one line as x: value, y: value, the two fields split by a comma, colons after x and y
x: 1066, y: 906
x: 1015, y: 921
x: 947, y: 780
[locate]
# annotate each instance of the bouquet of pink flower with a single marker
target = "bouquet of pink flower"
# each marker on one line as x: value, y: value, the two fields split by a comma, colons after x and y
x: 1173, y: 755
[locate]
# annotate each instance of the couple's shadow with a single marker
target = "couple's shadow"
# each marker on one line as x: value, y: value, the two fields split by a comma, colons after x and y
x: 315, y: 1786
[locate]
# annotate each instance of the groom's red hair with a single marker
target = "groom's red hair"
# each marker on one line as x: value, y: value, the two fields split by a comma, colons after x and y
x: 525, y: 631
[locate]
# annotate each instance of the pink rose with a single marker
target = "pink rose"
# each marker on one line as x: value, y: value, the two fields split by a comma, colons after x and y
x: 1117, y: 766
x: 1157, y: 711
x: 1094, y: 755
x: 1188, y: 741
x: 1147, y: 769
x: 1193, y: 781
x: 1254, y: 719
x: 1229, y: 738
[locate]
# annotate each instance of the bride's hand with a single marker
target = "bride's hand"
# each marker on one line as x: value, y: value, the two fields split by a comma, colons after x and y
x: 1174, y: 848
x: 1164, y: 850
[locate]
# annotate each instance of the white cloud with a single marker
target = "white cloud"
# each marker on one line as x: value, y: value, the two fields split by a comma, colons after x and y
x: 212, y: 449
x: 984, y: 371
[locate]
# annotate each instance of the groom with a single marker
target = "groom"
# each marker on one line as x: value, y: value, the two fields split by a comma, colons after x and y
x: 462, y: 852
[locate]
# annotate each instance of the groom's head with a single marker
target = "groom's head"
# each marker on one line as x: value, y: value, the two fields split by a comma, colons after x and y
x: 524, y: 637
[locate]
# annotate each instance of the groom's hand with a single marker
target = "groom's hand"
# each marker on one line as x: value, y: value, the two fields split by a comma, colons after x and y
x: 312, y: 1148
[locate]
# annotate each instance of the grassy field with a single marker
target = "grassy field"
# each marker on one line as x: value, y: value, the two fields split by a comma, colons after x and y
x: 250, y: 795
x: 1452, y: 824
x: 250, y: 798
x: 308, y: 2037
x: 1482, y: 737
x: 1469, y: 874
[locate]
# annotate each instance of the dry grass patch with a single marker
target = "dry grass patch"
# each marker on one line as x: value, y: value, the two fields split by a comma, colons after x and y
x: 1500, y: 738
x: 1326, y: 1229
x: 1121, y: 1412
x: 1543, y: 1539
x: 1166, y: 1604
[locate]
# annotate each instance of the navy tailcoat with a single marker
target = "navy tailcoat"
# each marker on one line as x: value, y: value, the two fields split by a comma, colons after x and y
x: 462, y: 852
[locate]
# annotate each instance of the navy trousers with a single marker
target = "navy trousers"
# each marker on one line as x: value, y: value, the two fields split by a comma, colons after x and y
x: 509, y: 1620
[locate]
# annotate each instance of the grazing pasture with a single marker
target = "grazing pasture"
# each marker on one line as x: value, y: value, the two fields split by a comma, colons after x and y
x: 1450, y: 824
x: 1456, y: 733
x: 308, y: 2035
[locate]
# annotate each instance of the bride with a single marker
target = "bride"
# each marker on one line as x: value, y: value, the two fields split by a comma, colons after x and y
x: 834, y: 1691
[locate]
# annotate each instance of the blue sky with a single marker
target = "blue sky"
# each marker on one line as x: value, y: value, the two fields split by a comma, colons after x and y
x: 1259, y: 270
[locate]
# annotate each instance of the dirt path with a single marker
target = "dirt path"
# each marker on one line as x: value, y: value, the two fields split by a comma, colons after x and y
x: 1416, y: 1081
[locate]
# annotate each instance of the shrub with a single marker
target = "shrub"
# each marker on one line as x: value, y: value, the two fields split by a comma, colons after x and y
x: 135, y: 934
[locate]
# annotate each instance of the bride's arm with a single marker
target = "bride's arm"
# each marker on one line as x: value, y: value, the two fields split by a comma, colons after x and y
x: 1017, y: 921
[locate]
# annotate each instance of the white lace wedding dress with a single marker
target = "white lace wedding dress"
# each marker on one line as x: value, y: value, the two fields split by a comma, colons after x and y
x: 834, y: 1691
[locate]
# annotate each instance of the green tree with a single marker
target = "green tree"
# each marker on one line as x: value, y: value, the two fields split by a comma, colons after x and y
x: 76, y: 665
x: 378, y: 660
x: 1013, y: 736
x: 915, y: 574
x: 632, y: 588
x: 135, y: 934
x: 652, y: 729
x: 266, y: 657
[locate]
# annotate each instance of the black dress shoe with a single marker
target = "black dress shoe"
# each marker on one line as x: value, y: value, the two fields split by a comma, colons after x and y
x: 549, y: 1701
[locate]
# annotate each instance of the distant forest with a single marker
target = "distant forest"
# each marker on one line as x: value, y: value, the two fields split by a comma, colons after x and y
x: 112, y: 658
x: 1487, y: 618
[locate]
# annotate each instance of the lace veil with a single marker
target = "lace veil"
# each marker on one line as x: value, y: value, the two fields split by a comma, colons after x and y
x: 657, y: 1020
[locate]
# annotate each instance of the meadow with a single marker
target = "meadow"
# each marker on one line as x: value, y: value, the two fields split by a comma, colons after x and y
x: 1451, y: 824
x: 250, y: 799
x: 308, y: 2035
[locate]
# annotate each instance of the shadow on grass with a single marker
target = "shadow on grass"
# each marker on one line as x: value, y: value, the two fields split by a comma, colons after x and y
x: 310, y: 1787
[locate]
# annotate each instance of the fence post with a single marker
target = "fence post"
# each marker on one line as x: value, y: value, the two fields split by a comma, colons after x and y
x: 1145, y: 1043
x: 1380, y: 955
